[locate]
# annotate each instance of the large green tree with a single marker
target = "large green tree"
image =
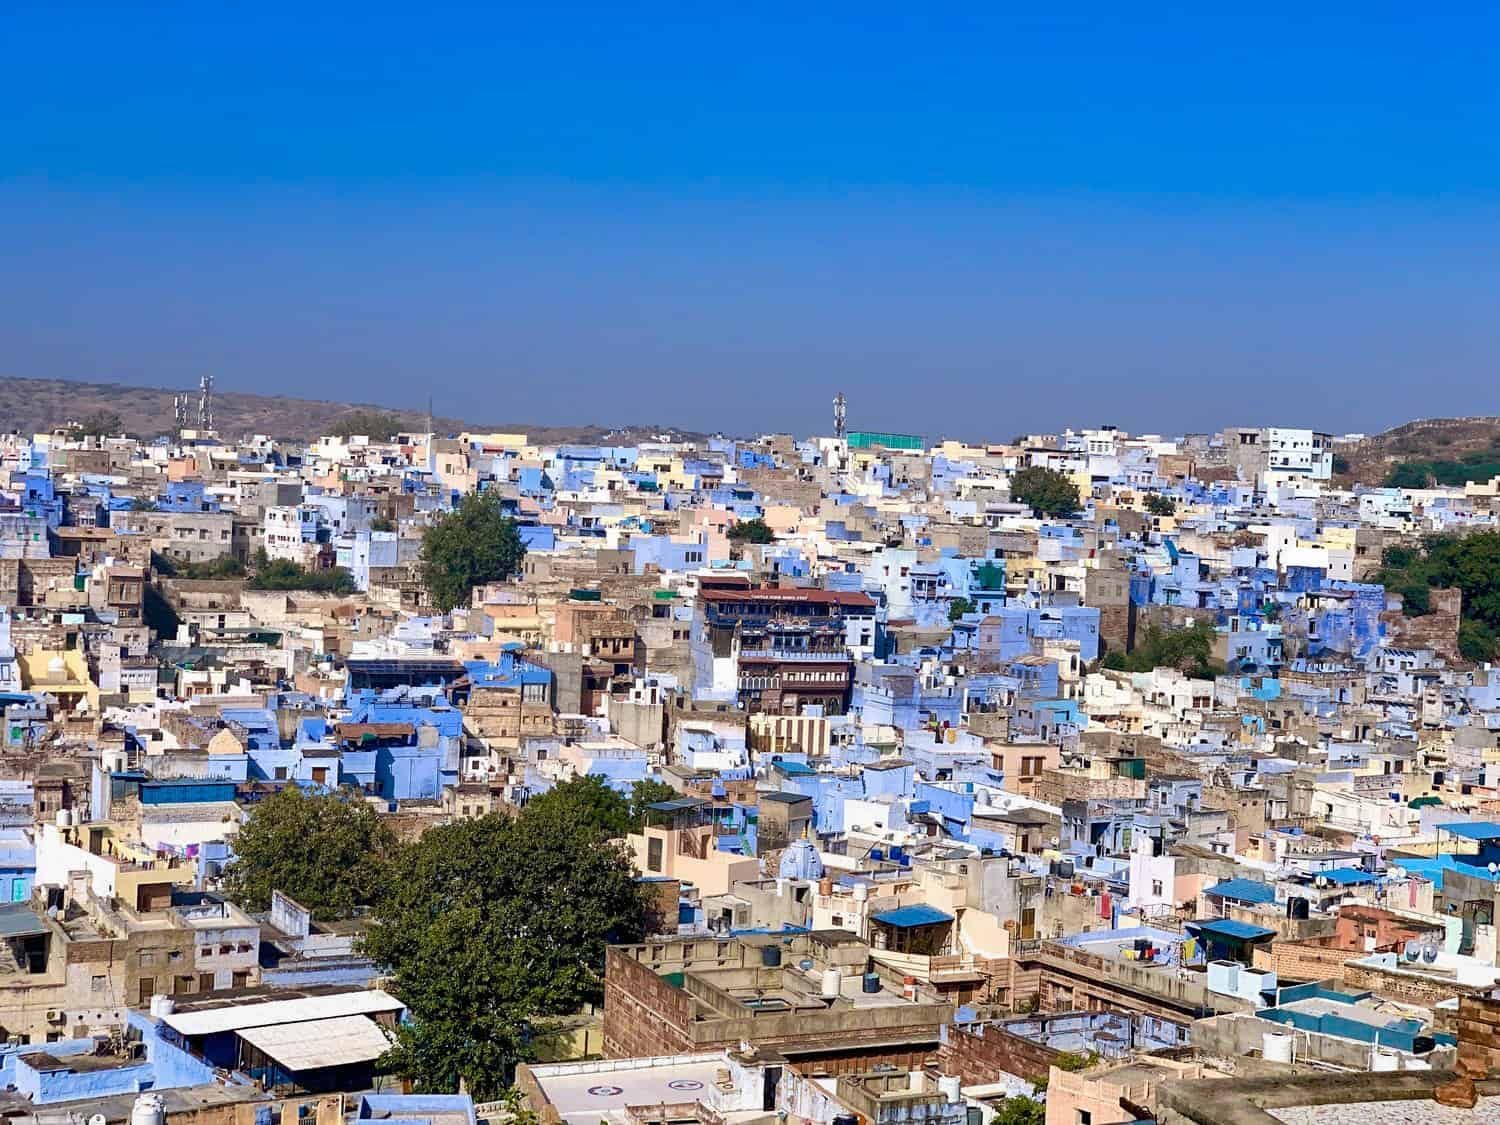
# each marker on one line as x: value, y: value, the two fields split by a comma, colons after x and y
x: 588, y: 802
x: 467, y: 547
x: 493, y: 925
x: 376, y: 425
x: 1189, y: 650
x: 328, y: 851
x: 1469, y: 562
x: 752, y: 531
x: 1045, y: 491
x: 643, y: 795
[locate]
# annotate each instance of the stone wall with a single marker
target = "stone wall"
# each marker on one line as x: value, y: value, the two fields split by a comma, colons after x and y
x: 643, y: 1013
x: 978, y: 1052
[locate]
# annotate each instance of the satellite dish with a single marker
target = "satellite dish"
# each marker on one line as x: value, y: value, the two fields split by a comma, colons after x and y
x: 1321, y: 881
x: 1429, y: 953
x: 98, y: 1119
x: 1494, y: 867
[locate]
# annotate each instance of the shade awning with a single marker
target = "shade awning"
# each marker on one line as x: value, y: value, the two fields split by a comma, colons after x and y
x: 1232, y: 929
x: 908, y: 916
x: 1481, y: 830
x: 317, y: 1044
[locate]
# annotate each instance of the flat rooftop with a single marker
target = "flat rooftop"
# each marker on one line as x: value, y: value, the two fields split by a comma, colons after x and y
x: 587, y: 1092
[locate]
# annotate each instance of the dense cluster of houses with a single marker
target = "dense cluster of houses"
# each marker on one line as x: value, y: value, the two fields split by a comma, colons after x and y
x: 930, y: 844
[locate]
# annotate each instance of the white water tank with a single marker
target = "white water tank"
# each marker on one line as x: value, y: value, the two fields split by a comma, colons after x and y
x: 831, y: 982
x: 162, y: 1006
x: 65, y: 818
x: 951, y: 1086
x: 1276, y: 1047
x: 1383, y: 1060
x: 149, y: 1109
x: 861, y: 892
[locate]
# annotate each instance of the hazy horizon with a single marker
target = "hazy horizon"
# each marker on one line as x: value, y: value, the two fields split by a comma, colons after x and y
x: 976, y: 225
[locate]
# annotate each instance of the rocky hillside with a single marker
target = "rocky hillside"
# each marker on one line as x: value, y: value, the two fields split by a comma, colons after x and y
x: 1428, y: 440
x: 39, y: 405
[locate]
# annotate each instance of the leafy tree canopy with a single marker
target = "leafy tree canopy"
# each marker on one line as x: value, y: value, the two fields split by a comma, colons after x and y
x: 643, y: 795
x: 1469, y: 562
x: 491, y: 926
x: 376, y: 425
x: 101, y: 423
x: 1045, y: 491
x: 283, y: 574
x: 958, y: 607
x: 1188, y: 650
x: 588, y: 802
x: 1160, y: 504
x: 1020, y: 1111
x: 328, y: 851
x: 468, y: 547
x: 752, y: 531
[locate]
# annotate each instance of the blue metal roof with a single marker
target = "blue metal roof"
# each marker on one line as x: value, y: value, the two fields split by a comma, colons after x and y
x: 912, y: 916
x: 1347, y: 876
x: 1243, y: 890
x: 1231, y: 928
x: 1482, y: 830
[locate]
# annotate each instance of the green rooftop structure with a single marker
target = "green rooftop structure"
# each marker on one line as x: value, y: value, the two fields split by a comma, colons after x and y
x: 870, y: 439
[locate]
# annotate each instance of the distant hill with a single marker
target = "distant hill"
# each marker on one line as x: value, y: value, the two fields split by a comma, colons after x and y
x: 40, y: 405
x: 1443, y: 442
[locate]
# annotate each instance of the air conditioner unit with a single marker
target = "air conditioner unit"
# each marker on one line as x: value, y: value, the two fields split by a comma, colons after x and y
x: 54, y: 1015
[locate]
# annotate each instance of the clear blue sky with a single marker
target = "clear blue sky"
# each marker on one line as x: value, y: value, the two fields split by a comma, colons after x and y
x: 972, y: 219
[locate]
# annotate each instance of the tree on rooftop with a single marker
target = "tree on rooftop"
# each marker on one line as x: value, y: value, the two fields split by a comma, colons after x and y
x: 376, y: 425
x: 586, y: 801
x: 1020, y: 1110
x: 752, y: 531
x: 1045, y: 491
x: 645, y: 794
x: 1189, y: 650
x: 493, y: 926
x: 958, y: 607
x: 327, y: 851
x: 467, y: 547
x: 1469, y: 562
x: 101, y: 423
x: 1160, y: 504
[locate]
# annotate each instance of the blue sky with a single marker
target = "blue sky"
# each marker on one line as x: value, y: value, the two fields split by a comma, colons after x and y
x: 973, y: 220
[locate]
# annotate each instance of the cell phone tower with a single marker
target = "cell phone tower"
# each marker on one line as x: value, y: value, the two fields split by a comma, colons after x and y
x: 839, y: 403
x: 206, y: 403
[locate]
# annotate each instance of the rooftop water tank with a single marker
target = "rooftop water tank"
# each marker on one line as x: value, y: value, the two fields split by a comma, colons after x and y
x: 831, y: 981
x: 149, y: 1109
x: 770, y: 955
x: 1276, y: 1047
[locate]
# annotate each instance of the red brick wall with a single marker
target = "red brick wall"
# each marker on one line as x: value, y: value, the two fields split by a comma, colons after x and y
x: 643, y: 1014
x: 978, y: 1059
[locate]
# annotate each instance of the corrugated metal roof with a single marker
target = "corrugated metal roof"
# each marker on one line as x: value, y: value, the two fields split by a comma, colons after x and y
x: 316, y: 1044
x: 234, y: 1017
x: 920, y: 915
x: 1243, y: 890
x: 1481, y: 830
x: 1231, y: 928
x: 19, y: 922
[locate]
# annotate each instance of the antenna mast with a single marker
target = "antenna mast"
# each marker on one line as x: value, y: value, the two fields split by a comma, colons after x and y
x: 206, y: 403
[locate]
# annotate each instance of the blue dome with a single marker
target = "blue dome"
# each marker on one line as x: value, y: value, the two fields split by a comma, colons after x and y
x: 800, y: 861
